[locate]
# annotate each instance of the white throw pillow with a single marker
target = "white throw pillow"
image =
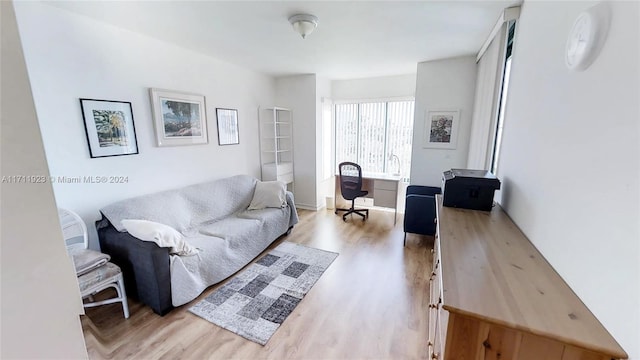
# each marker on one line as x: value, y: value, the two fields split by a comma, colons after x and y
x: 161, y: 234
x: 269, y: 194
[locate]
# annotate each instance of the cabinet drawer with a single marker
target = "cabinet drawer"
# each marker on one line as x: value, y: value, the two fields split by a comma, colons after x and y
x: 385, y: 185
x: 436, y: 287
x: 285, y: 167
x: 384, y: 198
x: 286, y: 178
x: 441, y: 331
x: 433, y: 333
x: 282, y: 170
x: 436, y: 252
x: 437, y: 341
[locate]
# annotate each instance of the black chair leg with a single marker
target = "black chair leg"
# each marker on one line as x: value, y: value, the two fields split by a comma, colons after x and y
x: 405, y: 240
x: 353, y: 210
x: 357, y: 212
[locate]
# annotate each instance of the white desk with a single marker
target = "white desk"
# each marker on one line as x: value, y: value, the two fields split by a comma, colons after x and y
x: 382, y: 188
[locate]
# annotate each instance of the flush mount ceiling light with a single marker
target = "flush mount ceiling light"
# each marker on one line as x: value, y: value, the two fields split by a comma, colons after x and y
x: 304, y: 24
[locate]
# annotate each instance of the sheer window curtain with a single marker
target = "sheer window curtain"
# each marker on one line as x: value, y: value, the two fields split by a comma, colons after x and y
x: 488, y: 89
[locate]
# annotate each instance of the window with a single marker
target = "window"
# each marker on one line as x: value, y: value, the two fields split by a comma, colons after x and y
x: 376, y: 135
x: 503, y: 99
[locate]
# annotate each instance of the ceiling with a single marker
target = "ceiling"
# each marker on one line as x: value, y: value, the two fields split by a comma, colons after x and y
x: 354, y: 39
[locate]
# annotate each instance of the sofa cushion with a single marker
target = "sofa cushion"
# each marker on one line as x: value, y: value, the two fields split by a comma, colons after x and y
x: 163, y: 235
x: 225, y: 246
x: 232, y: 227
x: 268, y: 215
x: 86, y: 260
x: 88, y: 281
x: 268, y: 194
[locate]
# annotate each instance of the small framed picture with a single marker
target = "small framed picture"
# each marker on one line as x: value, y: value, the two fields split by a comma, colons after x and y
x: 109, y: 127
x: 227, y: 126
x: 441, y: 129
x: 179, y: 118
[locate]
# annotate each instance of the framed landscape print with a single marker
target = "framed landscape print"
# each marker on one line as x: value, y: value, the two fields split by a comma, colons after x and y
x: 227, y: 126
x: 109, y: 127
x: 441, y: 129
x: 179, y: 118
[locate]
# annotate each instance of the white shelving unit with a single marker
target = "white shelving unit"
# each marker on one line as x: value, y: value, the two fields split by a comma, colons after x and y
x: 276, y: 145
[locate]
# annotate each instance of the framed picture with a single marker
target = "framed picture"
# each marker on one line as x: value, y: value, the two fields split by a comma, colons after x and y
x: 441, y: 129
x: 109, y: 127
x: 179, y: 118
x: 227, y: 126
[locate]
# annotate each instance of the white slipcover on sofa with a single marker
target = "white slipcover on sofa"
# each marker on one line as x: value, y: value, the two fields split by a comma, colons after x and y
x: 213, y: 218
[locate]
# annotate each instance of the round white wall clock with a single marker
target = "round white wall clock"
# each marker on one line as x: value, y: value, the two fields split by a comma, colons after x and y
x: 587, y: 37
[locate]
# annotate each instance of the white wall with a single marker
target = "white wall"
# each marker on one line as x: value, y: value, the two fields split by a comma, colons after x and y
x: 374, y: 88
x: 70, y: 56
x: 323, y: 91
x: 40, y: 296
x: 442, y: 85
x: 298, y: 93
x: 570, y: 162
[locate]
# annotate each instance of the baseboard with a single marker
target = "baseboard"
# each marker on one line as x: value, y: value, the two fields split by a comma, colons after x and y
x: 366, y: 206
x: 308, y: 207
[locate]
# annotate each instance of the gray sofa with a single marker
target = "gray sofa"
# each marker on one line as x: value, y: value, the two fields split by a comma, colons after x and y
x: 213, y: 217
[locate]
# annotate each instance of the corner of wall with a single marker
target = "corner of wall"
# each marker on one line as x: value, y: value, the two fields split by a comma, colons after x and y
x: 444, y: 84
x: 30, y: 227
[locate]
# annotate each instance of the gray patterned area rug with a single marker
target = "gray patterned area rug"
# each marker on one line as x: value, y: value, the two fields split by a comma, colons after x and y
x: 256, y: 301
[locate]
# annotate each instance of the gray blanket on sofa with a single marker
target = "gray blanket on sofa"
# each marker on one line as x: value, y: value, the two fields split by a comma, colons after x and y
x: 213, y: 218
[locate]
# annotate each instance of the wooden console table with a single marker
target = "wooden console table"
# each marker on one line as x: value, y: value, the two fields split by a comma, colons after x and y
x: 494, y: 296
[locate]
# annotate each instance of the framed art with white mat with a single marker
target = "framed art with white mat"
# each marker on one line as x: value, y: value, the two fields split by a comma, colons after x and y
x: 441, y: 129
x: 179, y: 118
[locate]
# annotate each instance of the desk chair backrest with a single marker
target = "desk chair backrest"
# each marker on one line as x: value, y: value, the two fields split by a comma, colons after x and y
x: 350, y: 180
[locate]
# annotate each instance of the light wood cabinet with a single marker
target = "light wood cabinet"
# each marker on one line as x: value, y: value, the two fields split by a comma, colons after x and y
x: 494, y: 296
x: 437, y: 317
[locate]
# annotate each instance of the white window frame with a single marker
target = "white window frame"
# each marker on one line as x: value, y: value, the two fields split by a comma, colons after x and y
x: 359, y: 101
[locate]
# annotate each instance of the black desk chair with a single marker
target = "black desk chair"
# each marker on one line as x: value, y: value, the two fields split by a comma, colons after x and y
x: 351, y: 188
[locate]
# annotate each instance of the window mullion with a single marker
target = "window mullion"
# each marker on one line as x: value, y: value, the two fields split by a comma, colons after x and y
x: 358, y: 134
x: 386, y: 135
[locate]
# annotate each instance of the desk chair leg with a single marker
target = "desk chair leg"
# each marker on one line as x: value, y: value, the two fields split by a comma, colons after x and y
x: 353, y: 210
x: 358, y: 212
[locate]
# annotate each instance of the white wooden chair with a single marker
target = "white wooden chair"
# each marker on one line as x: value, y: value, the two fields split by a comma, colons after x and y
x: 91, y: 279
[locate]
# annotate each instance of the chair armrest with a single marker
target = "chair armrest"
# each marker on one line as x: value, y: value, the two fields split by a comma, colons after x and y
x: 145, y: 266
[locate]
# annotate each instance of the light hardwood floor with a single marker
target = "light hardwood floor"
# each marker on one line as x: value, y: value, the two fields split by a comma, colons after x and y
x: 370, y: 303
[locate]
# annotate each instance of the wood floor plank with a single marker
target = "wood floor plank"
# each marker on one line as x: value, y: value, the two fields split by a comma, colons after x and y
x: 370, y: 303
